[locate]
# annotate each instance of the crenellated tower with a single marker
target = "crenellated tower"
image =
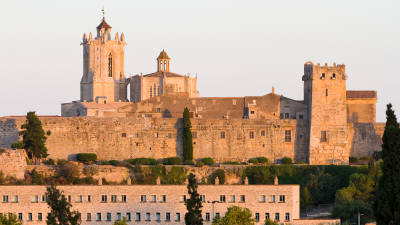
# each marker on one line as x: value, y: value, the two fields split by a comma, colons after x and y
x: 103, y: 79
x: 325, y: 97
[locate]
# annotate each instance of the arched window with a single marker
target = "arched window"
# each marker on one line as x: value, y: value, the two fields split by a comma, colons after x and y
x: 110, y: 74
x: 151, y: 92
x: 155, y: 92
x: 326, y: 92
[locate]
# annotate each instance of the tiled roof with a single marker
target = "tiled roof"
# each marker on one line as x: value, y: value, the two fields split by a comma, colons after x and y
x: 160, y: 74
x: 103, y: 24
x: 361, y: 94
x: 163, y: 55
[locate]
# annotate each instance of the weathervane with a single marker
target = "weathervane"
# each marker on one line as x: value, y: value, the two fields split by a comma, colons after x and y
x: 103, y: 12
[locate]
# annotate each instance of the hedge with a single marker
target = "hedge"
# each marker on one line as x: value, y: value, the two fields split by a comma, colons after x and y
x: 86, y: 157
x: 208, y: 161
x: 142, y: 161
x: 258, y: 160
x: 172, y: 161
x: 286, y: 160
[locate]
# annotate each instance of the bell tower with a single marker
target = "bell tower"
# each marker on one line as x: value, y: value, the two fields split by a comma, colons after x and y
x: 163, y: 62
x: 103, y: 79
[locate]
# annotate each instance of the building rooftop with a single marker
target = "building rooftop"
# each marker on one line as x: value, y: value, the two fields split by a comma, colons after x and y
x: 361, y: 94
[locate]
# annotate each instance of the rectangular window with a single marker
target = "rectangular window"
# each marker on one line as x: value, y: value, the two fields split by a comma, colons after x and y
x: 40, y: 216
x: 69, y: 198
x: 158, y: 216
x: 123, y: 198
x: 79, y: 198
x: 153, y: 198
x: 251, y: 134
x: 287, y: 216
x: 108, y: 216
x: 20, y: 216
x: 137, y: 217
x: 288, y: 136
x: 207, y: 216
x: 233, y: 198
x: 104, y: 198
x: 272, y: 199
x: 148, y: 217
x: 276, y: 216
x: 164, y: 198
x: 257, y: 217
x: 167, y: 216
x: 263, y: 198
x: 301, y: 116
x: 263, y: 133
x: 203, y: 198
x: 30, y: 217
x: 183, y: 198
x: 89, y: 198
x: 169, y: 135
x: 324, y: 137
x: 5, y: 198
x: 88, y: 217
x: 15, y: 199
x: 35, y: 199
x: 266, y: 216
x: 281, y: 116
x: 217, y: 215
x: 222, y: 135
x: 158, y: 110
x: 118, y: 216
x: 286, y: 115
x: 281, y: 198
x: 242, y: 198
x: 123, y: 135
x: 98, y: 216
x: 113, y: 198
x: 194, y: 134
x: 222, y: 198
x: 128, y: 216
x: 177, y: 217
x: 252, y: 112
x: 44, y: 198
x: 143, y: 198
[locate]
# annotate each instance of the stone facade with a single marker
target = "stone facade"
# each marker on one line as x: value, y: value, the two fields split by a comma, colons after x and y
x: 13, y: 163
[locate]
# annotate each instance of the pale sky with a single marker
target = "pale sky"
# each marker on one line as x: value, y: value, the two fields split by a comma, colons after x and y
x: 237, y: 48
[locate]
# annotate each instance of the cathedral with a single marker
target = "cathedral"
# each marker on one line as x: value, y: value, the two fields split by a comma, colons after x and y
x: 328, y: 126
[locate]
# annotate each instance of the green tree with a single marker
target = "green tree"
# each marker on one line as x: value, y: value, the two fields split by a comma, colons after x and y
x: 121, y: 222
x: 270, y: 222
x: 387, y: 204
x: 305, y: 198
x: 235, y: 215
x: 60, y: 209
x: 193, y: 204
x: 11, y: 219
x: 33, y: 137
x: 187, y: 136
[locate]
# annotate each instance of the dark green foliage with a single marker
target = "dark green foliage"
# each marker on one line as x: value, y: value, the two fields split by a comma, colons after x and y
x: 207, y: 161
x: 61, y: 162
x: 232, y: 163
x: 270, y: 222
x: 86, y: 157
x: 172, y: 161
x: 348, y: 212
x: 193, y: 204
x: 18, y: 145
x: 49, y: 162
x: 257, y: 160
x: 286, y: 160
x: 114, y: 162
x: 61, y: 213
x: 235, y: 215
x: 199, y: 164
x: 387, y: 204
x: 174, y: 175
x: 188, y: 162
x: 33, y: 137
x: 220, y: 173
x: 187, y: 136
x: 253, y: 160
x: 142, y: 161
x: 377, y: 155
x: 9, y: 219
x: 353, y: 160
x: 306, y: 200
x: 36, y: 178
x: 121, y: 222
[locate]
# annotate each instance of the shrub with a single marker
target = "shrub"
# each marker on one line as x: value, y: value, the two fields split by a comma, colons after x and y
x: 365, y: 158
x: 188, y: 162
x: 199, y: 164
x: 253, y: 160
x: 18, y: 145
x: 172, y: 161
x: 220, y: 173
x: 353, y: 160
x: 208, y: 161
x: 142, y: 161
x: 232, y: 163
x: 377, y: 155
x: 86, y: 157
x: 61, y: 162
x: 69, y: 171
x: 49, y: 162
x: 91, y: 170
x: 114, y: 162
x: 287, y: 160
x: 262, y: 160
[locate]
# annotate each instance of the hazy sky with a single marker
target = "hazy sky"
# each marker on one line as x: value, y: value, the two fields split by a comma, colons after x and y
x: 237, y: 48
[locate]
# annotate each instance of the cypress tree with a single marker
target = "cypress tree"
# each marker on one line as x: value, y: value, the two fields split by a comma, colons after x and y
x: 193, y: 204
x: 387, y: 204
x: 33, y: 137
x: 187, y: 137
x: 60, y: 209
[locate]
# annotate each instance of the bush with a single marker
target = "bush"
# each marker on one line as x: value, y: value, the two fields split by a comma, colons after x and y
x: 91, y: 170
x: 353, y: 160
x: 17, y: 145
x: 49, y: 162
x: 208, y: 161
x: 86, y: 157
x: 188, y: 162
x: 69, y: 171
x: 172, y: 161
x: 220, y: 173
x: 61, y: 162
x: 258, y: 160
x: 114, y: 162
x: 142, y: 161
x: 253, y: 160
x: 199, y: 164
x: 232, y: 163
x: 287, y: 160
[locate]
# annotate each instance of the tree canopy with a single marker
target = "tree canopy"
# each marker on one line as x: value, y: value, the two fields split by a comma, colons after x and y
x: 235, y: 215
x: 33, y: 137
x: 60, y: 209
x: 187, y: 137
x: 10, y: 219
x: 193, y: 204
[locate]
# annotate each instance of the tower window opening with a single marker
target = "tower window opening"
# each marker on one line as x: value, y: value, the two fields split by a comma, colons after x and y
x: 322, y: 76
x: 333, y: 76
x: 154, y: 88
x: 324, y: 137
x: 110, y: 65
x: 151, y: 92
x: 326, y: 92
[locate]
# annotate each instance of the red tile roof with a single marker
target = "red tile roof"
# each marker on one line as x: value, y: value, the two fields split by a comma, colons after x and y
x: 361, y: 94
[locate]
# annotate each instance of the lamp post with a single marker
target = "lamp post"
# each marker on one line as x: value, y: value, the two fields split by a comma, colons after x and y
x: 213, y: 205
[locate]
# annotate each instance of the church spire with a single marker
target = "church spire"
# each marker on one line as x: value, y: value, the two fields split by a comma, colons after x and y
x: 103, y: 27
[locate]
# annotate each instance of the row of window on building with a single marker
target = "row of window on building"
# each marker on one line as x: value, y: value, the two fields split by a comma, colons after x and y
x: 152, y: 198
x: 148, y: 216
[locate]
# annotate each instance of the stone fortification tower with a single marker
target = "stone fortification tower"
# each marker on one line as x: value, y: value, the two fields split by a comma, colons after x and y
x: 325, y: 97
x: 103, y: 79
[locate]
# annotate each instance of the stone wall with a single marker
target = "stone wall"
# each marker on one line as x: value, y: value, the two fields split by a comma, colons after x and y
x: 13, y: 163
x: 316, y: 222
